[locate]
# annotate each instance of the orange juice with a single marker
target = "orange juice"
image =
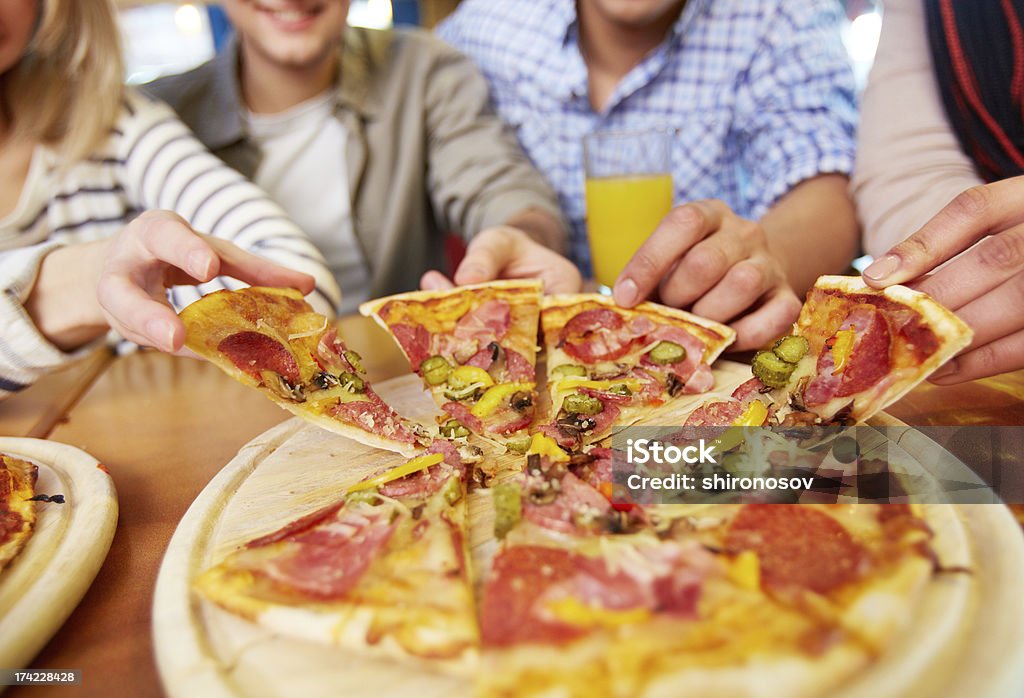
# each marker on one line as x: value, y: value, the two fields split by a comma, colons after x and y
x: 621, y: 213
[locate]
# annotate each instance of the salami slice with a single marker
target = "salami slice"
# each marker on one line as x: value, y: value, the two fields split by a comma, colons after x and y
x: 797, y: 546
x: 485, y: 323
x: 596, y: 335
x: 253, y: 352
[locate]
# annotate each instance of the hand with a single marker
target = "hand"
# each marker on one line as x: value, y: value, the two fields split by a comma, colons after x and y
x: 702, y: 254
x: 158, y: 250
x: 508, y: 253
x: 984, y: 282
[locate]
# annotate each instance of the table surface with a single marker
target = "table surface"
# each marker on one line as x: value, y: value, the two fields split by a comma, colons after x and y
x: 164, y: 426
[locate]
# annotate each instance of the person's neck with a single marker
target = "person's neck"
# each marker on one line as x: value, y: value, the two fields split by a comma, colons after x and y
x: 270, y: 88
x: 611, y: 49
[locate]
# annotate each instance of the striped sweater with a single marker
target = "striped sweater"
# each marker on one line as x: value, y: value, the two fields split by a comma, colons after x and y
x: 151, y: 161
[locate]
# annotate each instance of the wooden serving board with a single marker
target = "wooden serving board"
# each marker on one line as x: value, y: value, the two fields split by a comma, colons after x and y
x: 295, y: 469
x: 42, y: 586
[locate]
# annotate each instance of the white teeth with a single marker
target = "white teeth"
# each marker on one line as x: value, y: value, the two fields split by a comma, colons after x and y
x: 291, y: 15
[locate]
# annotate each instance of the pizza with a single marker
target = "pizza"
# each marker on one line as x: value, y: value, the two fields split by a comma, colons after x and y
x: 585, y: 592
x: 609, y: 365
x: 273, y: 340
x: 17, y: 508
x: 384, y: 570
x: 475, y: 348
x: 584, y: 597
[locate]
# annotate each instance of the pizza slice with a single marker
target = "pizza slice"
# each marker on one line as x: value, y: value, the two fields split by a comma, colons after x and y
x: 273, y: 340
x: 384, y: 570
x: 475, y: 347
x: 609, y: 365
x: 855, y: 350
x: 17, y: 509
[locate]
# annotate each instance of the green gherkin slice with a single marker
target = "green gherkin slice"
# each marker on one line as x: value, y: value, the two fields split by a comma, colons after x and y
x: 667, y: 353
x: 577, y: 403
x: 791, y: 349
x: 507, y: 508
x: 435, y: 370
x: 771, y: 370
x: 566, y: 370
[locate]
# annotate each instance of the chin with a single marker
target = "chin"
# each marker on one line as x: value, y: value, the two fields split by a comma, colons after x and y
x: 636, y: 13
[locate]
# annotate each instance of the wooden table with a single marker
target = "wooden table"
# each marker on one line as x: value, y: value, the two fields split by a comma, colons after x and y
x: 164, y: 426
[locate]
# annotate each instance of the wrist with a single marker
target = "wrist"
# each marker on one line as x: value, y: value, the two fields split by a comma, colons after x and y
x: 62, y: 303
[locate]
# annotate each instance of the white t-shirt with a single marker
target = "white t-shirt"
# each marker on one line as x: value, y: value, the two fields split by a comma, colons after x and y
x: 303, y: 170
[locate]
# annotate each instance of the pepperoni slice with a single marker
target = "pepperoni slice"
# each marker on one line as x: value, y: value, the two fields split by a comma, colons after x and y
x: 749, y: 390
x: 253, y: 352
x: 464, y: 416
x: 715, y: 414
x: 868, y: 363
x: 595, y: 335
x: 374, y: 416
x: 797, y: 547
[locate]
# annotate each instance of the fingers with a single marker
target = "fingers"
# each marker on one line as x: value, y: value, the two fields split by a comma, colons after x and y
x: 978, y: 270
x: 255, y: 270
x: 708, y: 262
x: 487, y: 254
x: 741, y: 288
x: 988, y: 315
x: 974, y: 213
x: 435, y: 281
x: 561, y: 276
x: 165, y: 236
x: 771, y: 320
x: 1004, y: 354
x: 680, y: 230
x: 137, y: 316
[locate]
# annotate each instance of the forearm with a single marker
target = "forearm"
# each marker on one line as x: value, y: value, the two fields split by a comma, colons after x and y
x: 541, y: 226
x: 62, y: 303
x: 813, y: 230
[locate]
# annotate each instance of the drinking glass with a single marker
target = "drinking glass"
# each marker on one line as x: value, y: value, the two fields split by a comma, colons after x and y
x: 628, y: 192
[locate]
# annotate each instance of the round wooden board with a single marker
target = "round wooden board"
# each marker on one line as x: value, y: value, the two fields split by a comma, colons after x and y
x: 42, y: 586
x: 295, y: 469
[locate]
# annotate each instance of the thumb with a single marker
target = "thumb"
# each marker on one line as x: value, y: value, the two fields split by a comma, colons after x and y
x: 485, y: 259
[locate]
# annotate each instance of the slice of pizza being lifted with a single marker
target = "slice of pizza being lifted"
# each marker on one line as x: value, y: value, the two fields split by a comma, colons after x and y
x: 608, y: 365
x: 17, y: 510
x: 383, y: 571
x: 273, y: 340
x: 855, y: 350
x: 475, y: 347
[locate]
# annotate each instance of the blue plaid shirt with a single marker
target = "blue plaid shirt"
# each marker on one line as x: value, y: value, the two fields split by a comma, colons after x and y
x: 759, y: 93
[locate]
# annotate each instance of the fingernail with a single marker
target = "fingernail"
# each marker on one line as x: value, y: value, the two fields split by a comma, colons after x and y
x: 626, y: 293
x: 161, y: 334
x: 882, y: 268
x: 948, y: 369
x: 198, y: 264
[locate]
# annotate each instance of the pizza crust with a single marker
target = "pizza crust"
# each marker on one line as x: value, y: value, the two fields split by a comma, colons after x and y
x: 372, y: 307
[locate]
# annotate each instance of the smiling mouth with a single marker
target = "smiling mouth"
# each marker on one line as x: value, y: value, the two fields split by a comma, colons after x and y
x: 290, y: 14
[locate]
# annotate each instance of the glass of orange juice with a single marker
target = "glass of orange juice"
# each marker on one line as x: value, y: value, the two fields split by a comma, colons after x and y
x: 628, y: 192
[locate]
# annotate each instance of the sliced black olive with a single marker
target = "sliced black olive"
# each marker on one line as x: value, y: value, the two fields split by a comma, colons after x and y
x: 521, y: 400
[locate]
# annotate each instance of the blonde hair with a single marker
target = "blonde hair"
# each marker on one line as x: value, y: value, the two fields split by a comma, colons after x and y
x: 66, y: 90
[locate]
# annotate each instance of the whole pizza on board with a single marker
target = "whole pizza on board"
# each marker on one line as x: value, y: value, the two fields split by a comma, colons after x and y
x: 583, y: 594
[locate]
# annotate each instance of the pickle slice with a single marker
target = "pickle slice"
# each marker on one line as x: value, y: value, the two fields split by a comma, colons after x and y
x: 791, y: 349
x: 578, y: 403
x: 435, y: 370
x: 507, y: 508
x: 567, y: 370
x: 771, y: 370
x: 667, y: 353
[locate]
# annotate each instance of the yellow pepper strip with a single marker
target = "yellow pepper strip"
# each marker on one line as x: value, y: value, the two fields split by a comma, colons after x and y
x: 754, y: 416
x: 842, y: 347
x: 492, y: 399
x: 542, y: 445
x: 467, y: 375
x: 745, y: 570
x: 415, y: 465
x: 575, y: 612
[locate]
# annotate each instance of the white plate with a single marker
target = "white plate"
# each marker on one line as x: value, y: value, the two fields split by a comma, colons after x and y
x: 44, y: 583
